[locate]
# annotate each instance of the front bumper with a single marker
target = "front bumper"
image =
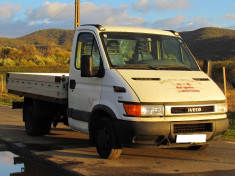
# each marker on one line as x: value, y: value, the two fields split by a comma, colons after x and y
x: 145, y: 134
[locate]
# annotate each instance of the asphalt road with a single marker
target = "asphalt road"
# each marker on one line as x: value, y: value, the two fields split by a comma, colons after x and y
x: 71, y: 150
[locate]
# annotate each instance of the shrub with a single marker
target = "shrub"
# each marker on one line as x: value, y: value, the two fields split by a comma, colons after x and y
x: 9, y: 62
x: 1, y: 61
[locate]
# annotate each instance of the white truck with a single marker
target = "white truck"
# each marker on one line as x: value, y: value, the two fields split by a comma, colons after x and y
x: 127, y: 87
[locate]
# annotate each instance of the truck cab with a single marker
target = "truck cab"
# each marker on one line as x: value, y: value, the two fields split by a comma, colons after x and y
x: 133, y: 87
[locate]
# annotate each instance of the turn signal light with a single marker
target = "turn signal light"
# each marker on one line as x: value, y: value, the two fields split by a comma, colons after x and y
x: 132, y: 109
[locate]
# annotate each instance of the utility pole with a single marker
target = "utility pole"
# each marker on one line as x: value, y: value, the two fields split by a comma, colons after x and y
x: 77, y: 13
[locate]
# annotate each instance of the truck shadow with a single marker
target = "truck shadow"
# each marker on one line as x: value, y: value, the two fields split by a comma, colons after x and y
x: 61, y: 142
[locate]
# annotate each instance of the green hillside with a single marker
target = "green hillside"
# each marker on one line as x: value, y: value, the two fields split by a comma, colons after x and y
x: 43, y: 38
x: 50, y: 37
x: 211, y: 43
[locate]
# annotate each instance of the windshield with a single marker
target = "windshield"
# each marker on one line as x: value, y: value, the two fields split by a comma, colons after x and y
x: 147, y: 51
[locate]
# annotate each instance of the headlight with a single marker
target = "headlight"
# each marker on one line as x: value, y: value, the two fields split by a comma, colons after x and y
x: 152, y: 110
x: 144, y: 110
x: 221, y: 108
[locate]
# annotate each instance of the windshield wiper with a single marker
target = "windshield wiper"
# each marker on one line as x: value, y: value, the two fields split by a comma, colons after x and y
x: 167, y: 67
x: 153, y: 68
x: 135, y: 67
x: 174, y: 67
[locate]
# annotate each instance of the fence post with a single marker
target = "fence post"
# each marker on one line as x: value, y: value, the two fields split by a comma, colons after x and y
x: 2, y: 83
x: 225, y: 85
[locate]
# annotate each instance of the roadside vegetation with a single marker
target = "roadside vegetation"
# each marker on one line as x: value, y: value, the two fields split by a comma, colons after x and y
x: 29, y: 55
x: 230, y: 133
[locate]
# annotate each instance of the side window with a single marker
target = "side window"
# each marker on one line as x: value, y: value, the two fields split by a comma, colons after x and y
x: 87, y: 45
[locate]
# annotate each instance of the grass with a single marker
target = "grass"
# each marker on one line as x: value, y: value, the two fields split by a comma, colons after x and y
x: 7, y: 99
x: 230, y: 133
x: 36, y: 69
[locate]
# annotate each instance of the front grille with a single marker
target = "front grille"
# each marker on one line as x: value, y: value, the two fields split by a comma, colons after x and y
x: 197, y: 109
x: 192, y: 128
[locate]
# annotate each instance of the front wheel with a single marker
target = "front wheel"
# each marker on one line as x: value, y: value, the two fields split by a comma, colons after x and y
x: 106, y: 141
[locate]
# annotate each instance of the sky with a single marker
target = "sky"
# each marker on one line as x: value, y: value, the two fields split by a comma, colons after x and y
x: 21, y: 17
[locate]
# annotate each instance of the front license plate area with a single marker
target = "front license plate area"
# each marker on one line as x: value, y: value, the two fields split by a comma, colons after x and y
x: 193, y: 138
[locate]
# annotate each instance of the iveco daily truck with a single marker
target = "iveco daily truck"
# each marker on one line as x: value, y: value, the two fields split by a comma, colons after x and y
x: 127, y: 87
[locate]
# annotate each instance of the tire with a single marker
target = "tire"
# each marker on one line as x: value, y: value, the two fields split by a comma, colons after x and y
x: 106, y: 142
x: 33, y: 125
x: 198, y: 147
x: 46, y: 127
x: 36, y: 126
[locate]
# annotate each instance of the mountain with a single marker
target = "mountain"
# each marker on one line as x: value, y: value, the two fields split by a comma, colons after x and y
x: 205, y: 43
x: 211, y: 43
x: 48, y: 37
x: 43, y: 38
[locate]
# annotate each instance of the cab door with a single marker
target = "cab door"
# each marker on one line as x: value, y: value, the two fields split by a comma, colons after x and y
x: 84, y: 92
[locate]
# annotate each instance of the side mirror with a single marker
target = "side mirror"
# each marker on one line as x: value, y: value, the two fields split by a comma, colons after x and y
x: 86, y: 66
x: 207, y: 67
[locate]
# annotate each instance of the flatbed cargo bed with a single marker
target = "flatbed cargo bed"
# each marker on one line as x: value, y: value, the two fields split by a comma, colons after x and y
x: 49, y: 86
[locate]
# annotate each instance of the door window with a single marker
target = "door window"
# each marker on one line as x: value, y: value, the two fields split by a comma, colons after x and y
x: 87, y: 45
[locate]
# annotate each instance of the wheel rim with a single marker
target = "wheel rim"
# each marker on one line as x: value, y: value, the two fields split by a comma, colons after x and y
x: 104, y: 138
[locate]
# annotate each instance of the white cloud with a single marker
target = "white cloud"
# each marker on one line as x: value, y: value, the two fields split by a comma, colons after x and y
x: 8, y: 28
x: 160, y: 5
x: 232, y: 26
x: 61, y: 15
x: 52, y: 10
x: 230, y: 16
x: 32, y: 23
x: 170, y: 22
x: 47, y: 21
x: 89, y: 13
x: 181, y: 23
x: 171, y: 4
x: 142, y: 6
x: 8, y: 9
x: 108, y: 15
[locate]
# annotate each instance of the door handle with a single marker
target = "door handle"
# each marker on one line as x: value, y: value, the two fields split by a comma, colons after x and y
x: 72, y: 84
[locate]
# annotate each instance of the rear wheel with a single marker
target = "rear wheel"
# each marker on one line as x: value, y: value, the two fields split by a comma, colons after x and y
x: 46, y: 126
x: 36, y: 126
x: 32, y: 124
x: 106, y: 142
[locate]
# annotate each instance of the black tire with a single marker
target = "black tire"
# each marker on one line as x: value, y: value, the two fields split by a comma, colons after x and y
x: 33, y: 125
x: 106, y: 142
x: 36, y: 126
x: 198, y: 147
x: 46, y: 126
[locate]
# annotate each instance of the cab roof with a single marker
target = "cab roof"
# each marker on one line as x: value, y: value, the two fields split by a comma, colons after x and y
x: 100, y: 28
